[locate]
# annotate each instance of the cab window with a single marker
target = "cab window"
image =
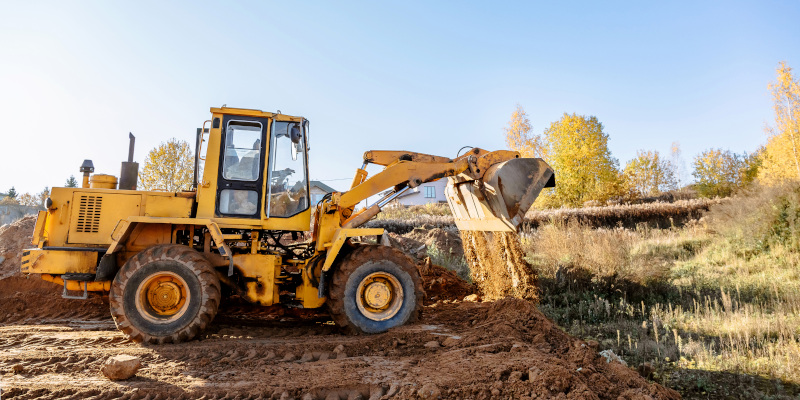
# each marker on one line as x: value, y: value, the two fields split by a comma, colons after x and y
x: 288, y: 182
x: 242, y: 151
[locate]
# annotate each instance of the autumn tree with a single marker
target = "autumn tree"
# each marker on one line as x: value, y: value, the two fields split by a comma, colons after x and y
x: 577, y: 149
x: 519, y: 137
x: 42, y: 196
x: 71, y: 182
x: 720, y: 172
x: 781, y: 160
x: 649, y: 174
x: 27, y: 199
x: 168, y: 167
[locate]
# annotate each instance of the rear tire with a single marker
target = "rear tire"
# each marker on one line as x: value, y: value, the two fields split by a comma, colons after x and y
x: 375, y: 288
x: 165, y: 294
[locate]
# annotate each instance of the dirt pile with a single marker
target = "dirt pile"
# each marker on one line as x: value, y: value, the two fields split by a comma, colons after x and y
x: 30, y: 299
x: 441, y: 283
x: 14, y: 238
x: 498, y: 267
x: 417, y: 242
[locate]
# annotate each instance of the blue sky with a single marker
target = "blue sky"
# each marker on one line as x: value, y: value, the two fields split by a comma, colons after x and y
x: 76, y: 77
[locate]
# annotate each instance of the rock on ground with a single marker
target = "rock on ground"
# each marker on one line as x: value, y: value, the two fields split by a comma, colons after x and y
x: 121, y: 367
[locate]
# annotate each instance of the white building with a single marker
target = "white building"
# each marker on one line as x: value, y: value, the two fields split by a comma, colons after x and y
x: 317, y: 191
x: 430, y: 192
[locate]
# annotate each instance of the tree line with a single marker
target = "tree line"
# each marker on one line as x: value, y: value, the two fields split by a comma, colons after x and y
x: 576, y: 146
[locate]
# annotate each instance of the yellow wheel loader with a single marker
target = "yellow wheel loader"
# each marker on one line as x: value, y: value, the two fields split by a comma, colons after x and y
x: 249, y: 228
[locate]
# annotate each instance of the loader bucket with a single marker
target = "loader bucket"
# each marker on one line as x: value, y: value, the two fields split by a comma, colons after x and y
x: 499, y: 201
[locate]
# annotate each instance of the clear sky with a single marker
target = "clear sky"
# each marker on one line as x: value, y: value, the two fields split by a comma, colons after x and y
x: 77, y: 76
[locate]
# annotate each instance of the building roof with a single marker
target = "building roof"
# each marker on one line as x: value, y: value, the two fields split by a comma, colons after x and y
x: 322, y: 186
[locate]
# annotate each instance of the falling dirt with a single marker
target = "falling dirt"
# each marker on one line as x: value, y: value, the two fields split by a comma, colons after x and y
x: 53, y: 348
x: 498, y: 267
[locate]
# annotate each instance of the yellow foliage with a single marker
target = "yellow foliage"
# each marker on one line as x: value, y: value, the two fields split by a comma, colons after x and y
x: 28, y: 199
x: 168, y: 167
x: 649, y: 174
x: 519, y: 138
x: 781, y: 160
x: 9, y: 200
x: 577, y: 149
x: 719, y: 172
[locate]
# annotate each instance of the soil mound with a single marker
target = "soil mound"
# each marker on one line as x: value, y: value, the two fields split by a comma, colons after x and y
x: 525, y: 355
x: 417, y: 242
x: 498, y: 267
x: 29, y: 299
x: 441, y: 283
x: 14, y: 238
x: 34, y: 301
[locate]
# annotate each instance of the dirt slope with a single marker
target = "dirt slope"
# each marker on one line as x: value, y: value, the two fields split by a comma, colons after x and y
x: 13, y: 238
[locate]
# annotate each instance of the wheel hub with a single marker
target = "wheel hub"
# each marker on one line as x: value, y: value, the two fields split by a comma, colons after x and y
x: 163, y: 297
x: 380, y: 296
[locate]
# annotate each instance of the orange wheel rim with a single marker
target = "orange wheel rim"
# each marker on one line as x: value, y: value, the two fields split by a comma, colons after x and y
x: 162, y: 297
x: 380, y: 296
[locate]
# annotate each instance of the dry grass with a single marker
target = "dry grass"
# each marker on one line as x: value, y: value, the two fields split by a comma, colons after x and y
x: 654, y: 215
x: 714, y: 306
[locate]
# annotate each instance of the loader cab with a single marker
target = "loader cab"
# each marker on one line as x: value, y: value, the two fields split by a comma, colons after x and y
x: 256, y: 170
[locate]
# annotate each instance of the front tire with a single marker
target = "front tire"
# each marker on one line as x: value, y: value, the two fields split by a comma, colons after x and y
x: 165, y: 294
x: 375, y: 288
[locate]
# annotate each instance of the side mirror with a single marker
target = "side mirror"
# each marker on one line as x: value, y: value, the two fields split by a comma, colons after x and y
x: 297, y: 136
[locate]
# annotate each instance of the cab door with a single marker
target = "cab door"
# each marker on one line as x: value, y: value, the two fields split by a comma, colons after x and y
x: 241, y: 166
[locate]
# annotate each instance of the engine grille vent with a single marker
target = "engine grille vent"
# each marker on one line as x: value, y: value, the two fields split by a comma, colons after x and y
x: 89, y: 214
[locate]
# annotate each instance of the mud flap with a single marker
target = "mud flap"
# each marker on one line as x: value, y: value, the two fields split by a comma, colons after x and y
x: 498, y: 202
x: 107, y: 268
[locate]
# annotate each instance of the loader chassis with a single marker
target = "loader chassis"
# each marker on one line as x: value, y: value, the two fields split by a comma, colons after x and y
x: 245, y: 228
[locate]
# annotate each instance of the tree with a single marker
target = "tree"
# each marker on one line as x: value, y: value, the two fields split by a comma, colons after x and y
x: 577, y: 149
x: 678, y: 164
x: 36, y: 200
x: 42, y: 196
x: 519, y: 138
x: 71, y: 182
x: 720, y: 172
x: 168, y: 167
x: 28, y: 199
x: 781, y: 159
x: 12, y: 193
x: 649, y: 174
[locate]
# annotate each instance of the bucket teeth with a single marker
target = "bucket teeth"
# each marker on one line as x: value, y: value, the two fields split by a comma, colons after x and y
x: 498, y: 202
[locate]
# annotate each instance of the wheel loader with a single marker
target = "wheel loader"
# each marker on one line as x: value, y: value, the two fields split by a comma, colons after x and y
x: 248, y: 228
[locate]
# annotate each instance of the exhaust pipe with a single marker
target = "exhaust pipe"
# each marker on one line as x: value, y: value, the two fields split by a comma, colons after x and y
x: 129, y: 175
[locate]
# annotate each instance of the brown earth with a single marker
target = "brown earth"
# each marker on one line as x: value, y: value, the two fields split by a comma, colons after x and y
x: 53, y: 348
x: 417, y: 242
x: 13, y: 238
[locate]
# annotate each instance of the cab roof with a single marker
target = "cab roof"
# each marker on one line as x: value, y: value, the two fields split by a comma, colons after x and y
x: 253, y: 113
